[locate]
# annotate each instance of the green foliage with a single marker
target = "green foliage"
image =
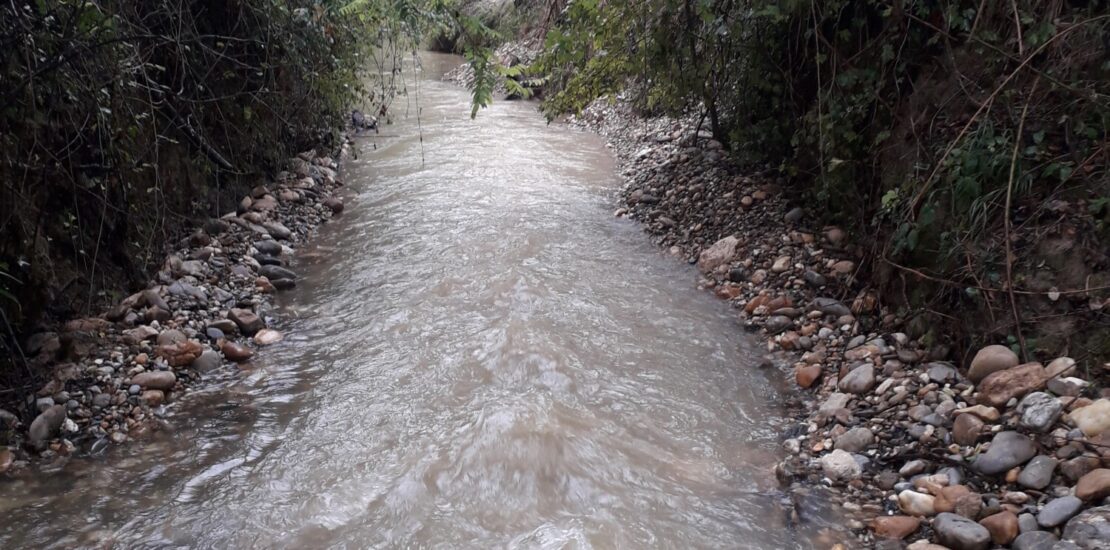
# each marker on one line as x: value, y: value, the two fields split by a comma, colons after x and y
x: 862, y: 102
x: 122, y: 120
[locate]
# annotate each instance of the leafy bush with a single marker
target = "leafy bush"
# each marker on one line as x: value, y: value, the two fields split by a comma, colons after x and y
x: 926, y: 124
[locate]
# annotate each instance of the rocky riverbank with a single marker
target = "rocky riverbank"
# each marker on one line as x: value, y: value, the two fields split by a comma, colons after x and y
x: 113, y: 375
x: 922, y: 452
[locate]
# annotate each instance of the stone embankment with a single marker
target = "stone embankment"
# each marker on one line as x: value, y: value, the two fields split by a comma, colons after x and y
x: 924, y: 453
x: 205, y: 309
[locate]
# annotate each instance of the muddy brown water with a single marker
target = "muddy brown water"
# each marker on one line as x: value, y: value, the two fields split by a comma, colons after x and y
x: 479, y: 356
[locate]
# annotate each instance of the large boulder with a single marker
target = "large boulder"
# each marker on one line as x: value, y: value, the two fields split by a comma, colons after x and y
x: 717, y: 255
x: 989, y: 360
x: 1090, y: 530
x: 1000, y: 387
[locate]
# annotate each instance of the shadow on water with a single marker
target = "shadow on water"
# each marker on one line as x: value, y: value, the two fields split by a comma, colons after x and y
x: 479, y: 355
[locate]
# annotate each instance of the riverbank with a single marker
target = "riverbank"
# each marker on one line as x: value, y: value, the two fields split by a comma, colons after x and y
x: 920, y: 449
x: 113, y: 375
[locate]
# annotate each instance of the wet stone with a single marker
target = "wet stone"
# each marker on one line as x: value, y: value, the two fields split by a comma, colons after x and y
x: 1090, y: 530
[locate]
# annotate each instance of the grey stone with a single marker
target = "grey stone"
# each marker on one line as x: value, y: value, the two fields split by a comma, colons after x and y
x: 830, y: 306
x: 1008, y: 449
x: 46, y: 424
x: 960, y: 533
x: 1034, y: 540
x: 276, y: 272
x: 1059, y: 510
x: 171, y: 336
x: 859, y: 380
x: 1091, y: 529
x: 813, y: 278
x: 1038, y: 473
x: 942, y: 373
x: 795, y: 215
x: 854, y: 440
x: 1027, y: 522
x: 209, y: 360
x: 270, y: 248
x: 1039, y: 411
x: 777, y: 323
x: 278, y: 231
x: 834, y: 402
x: 840, y: 466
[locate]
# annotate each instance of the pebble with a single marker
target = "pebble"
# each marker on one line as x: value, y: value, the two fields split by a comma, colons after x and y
x: 1094, y: 485
x: 989, y: 360
x: 1034, y: 540
x: 1039, y: 411
x: 916, y: 504
x: 1038, y: 473
x: 859, y: 380
x: 839, y: 465
x: 960, y: 533
x: 1007, y: 449
x: 1002, y: 526
x: 267, y: 336
x: 1059, y: 510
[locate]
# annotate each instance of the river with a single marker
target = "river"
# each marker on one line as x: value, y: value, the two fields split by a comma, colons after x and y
x: 479, y: 355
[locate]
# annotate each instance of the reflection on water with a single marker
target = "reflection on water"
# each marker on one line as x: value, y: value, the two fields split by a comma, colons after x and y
x: 479, y: 356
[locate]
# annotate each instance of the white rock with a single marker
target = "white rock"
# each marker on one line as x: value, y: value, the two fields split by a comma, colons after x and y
x: 915, y: 503
x: 1094, y: 418
x: 840, y: 466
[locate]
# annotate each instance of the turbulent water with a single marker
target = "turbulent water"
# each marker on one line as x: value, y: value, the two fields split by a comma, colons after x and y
x: 479, y: 355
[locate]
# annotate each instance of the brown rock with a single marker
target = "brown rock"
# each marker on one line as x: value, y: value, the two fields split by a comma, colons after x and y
x: 999, y: 387
x: 334, y: 204
x: 1003, y: 527
x: 755, y: 303
x: 247, y: 320
x: 6, y: 459
x: 946, y: 499
x: 267, y: 336
x: 969, y: 505
x: 180, y: 354
x: 155, y: 380
x: 895, y: 527
x: 807, y: 375
x: 966, y: 429
x: 153, y: 398
x: 236, y: 352
x: 989, y: 360
x: 1094, y: 485
x: 717, y: 255
x: 844, y: 267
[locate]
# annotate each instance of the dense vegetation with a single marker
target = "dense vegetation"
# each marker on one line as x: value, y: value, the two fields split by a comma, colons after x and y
x: 125, y: 123
x: 967, y: 137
